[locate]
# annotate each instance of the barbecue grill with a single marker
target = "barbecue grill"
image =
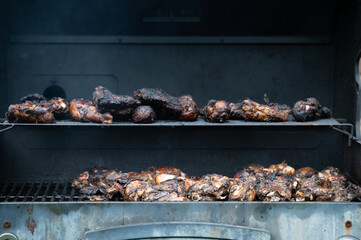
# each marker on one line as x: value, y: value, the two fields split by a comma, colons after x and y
x: 230, y: 50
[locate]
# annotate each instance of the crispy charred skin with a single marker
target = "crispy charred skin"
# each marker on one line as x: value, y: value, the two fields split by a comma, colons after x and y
x: 82, y: 110
x: 243, y: 186
x: 29, y: 112
x: 59, y: 106
x: 236, y: 112
x: 209, y: 188
x: 309, y: 110
x: 120, y: 106
x: 273, y: 112
x: 143, y: 114
x: 171, y: 190
x: 216, y: 111
x: 282, y: 168
x: 305, y: 172
x: 275, y: 187
x: 32, y: 97
x: 167, y: 106
x: 135, y: 189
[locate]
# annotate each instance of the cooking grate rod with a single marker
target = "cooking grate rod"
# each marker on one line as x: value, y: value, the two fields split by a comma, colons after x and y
x: 38, y: 192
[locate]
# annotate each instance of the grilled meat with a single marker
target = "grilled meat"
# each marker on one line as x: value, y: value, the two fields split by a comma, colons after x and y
x: 252, y: 183
x: 171, y: 190
x: 59, y: 106
x: 243, y: 186
x: 275, y: 187
x: 216, y: 111
x: 305, y: 172
x: 272, y: 112
x: 82, y: 110
x: 32, y: 97
x: 167, y: 106
x: 134, y: 190
x: 120, y: 107
x: 282, y: 168
x: 143, y: 114
x: 29, y: 112
x: 309, y: 110
x: 235, y: 111
x: 209, y: 188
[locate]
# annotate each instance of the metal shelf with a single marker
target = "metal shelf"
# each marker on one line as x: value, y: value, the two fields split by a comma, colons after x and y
x: 199, y: 123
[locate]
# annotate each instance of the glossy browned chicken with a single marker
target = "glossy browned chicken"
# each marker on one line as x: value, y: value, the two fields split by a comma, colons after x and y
x: 119, y: 106
x: 309, y: 110
x: 216, y: 111
x: 143, y: 114
x: 134, y: 190
x: 235, y: 111
x: 272, y: 112
x: 82, y: 110
x: 209, y: 188
x: 28, y: 112
x: 167, y: 106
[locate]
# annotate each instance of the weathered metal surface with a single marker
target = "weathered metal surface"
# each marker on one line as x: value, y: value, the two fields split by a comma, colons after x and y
x: 306, y: 220
x: 179, y: 230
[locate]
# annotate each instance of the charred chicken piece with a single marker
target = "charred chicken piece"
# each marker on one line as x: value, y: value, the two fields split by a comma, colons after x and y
x: 216, y: 111
x: 209, y: 188
x: 165, y: 170
x: 134, y: 190
x: 236, y: 112
x: 243, y: 187
x: 121, y: 107
x: 59, y: 106
x: 282, y: 168
x: 171, y: 190
x: 143, y: 114
x: 167, y: 106
x: 32, y: 97
x: 309, y: 110
x: 272, y: 112
x: 305, y: 172
x: 82, y: 110
x: 275, y: 187
x: 29, y: 112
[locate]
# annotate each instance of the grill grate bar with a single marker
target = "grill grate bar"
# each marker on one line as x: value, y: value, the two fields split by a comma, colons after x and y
x: 11, y: 194
x: 64, y: 193
x: 28, y: 192
x: 55, y: 193
x: 19, y: 192
x: 39, y: 192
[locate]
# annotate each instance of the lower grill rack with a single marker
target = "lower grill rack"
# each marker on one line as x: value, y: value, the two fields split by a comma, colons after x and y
x: 39, y: 192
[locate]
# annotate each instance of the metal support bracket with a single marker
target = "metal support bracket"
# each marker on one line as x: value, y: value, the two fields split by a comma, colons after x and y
x: 6, y: 128
x: 349, y: 134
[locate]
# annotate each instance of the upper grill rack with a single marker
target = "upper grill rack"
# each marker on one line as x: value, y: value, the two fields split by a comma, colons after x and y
x: 39, y: 192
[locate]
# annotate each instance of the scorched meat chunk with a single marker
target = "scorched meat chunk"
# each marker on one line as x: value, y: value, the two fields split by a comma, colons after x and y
x: 143, y: 114
x: 216, y: 111
x: 271, y: 112
x: 309, y: 110
x: 236, y: 112
x: 29, y: 112
x: 243, y: 186
x: 120, y: 106
x: 209, y: 188
x: 275, y: 187
x: 171, y: 190
x: 82, y: 110
x: 167, y: 106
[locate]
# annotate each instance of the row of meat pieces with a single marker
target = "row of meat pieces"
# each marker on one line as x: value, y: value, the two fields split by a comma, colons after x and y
x: 147, y: 105
x: 255, y: 183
